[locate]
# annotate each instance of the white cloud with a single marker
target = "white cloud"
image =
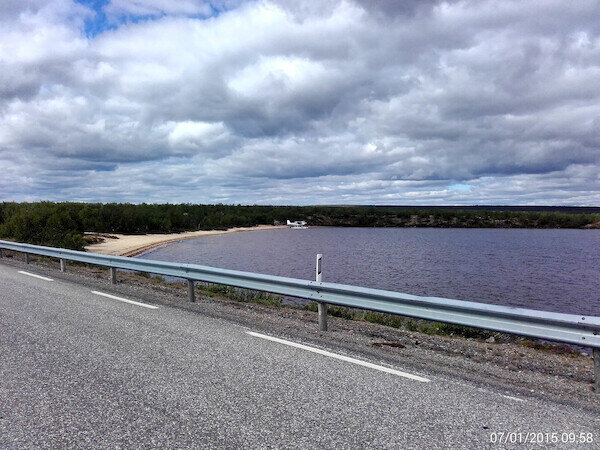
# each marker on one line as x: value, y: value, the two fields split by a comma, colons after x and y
x: 277, y: 73
x: 157, y: 7
x: 195, y: 137
x: 302, y: 102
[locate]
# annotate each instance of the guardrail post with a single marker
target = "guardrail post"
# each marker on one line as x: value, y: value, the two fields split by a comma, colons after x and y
x: 191, y: 292
x: 63, y: 265
x: 597, y: 370
x: 26, y: 258
x: 113, y: 275
x: 321, y: 306
x: 0, y: 253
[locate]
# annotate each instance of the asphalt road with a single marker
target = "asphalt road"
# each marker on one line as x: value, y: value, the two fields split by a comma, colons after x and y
x: 82, y: 369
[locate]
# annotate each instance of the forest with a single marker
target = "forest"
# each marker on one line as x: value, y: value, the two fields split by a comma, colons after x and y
x: 64, y: 224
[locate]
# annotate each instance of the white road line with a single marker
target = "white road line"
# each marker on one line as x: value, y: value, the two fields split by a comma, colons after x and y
x: 114, y: 297
x: 35, y: 276
x: 341, y: 357
x: 486, y: 391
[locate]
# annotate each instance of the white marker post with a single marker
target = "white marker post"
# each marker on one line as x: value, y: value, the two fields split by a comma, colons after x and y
x: 321, y: 306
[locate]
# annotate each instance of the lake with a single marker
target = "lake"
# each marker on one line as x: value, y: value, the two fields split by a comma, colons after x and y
x: 556, y: 270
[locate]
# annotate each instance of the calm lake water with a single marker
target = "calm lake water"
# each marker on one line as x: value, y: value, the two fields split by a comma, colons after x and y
x: 556, y: 270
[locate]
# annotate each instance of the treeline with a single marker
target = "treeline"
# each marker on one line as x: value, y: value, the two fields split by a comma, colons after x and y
x: 64, y: 224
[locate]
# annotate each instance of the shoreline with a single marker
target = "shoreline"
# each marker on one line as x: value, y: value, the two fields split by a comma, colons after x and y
x: 135, y: 244
x: 118, y: 244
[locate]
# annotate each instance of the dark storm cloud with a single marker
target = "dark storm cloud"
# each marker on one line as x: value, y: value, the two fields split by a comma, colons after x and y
x: 301, y: 102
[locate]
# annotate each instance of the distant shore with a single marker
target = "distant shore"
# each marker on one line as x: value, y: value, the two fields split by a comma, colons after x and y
x: 63, y: 224
x: 135, y: 244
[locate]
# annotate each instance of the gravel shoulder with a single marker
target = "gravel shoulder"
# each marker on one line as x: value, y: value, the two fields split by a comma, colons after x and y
x: 506, y: 365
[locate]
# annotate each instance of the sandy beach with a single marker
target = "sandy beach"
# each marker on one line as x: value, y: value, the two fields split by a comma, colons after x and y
x: 132, y: 245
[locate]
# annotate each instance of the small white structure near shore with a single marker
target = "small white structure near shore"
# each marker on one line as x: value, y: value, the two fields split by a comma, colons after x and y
x: 298, y: 224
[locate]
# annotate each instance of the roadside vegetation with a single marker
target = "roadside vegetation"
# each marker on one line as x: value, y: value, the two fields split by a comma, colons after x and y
x: 390, y: 320
x: 239, y: 295
x: 64, y: 224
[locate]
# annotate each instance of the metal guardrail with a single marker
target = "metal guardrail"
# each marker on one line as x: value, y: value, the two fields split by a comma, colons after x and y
x: 568, y: 328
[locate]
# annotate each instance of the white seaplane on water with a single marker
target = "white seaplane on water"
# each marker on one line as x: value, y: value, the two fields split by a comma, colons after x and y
x: 298, y: 224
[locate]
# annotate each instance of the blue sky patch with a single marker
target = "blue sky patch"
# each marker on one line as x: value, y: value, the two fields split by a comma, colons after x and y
x: 460, y: 187
x: 98, y: 23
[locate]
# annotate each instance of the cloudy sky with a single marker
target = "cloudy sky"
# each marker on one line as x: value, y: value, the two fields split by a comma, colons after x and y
x: 284, y: 102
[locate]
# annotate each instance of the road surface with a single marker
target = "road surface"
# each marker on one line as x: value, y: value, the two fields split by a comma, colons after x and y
x: 79, y: 368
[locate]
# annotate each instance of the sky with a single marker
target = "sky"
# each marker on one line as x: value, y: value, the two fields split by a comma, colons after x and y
x: 290, y: 102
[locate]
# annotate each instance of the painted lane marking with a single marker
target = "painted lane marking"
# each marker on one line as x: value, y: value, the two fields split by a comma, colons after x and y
x: 486, y: 391
x: 121, y: 299
x: 35, y: 276
x: 341, y: 357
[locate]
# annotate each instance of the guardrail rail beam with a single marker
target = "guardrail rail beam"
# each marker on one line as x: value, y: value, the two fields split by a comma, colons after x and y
x: 553, y: 326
